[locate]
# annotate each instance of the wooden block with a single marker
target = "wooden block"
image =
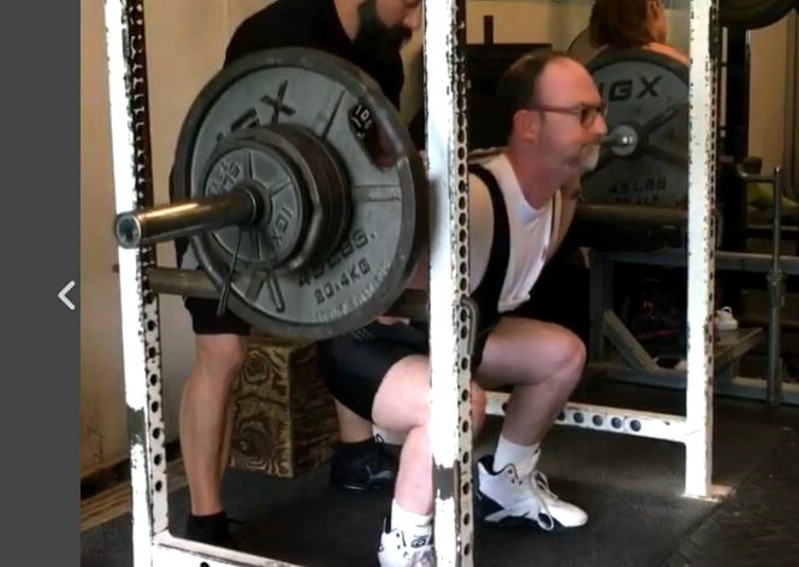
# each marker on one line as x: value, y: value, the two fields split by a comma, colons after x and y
x: 285, y: 420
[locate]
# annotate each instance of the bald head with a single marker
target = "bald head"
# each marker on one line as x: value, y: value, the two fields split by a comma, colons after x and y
x: 553, y: 113
x: 565, y: 82
x: 544, y: 79
x: 537, y: 77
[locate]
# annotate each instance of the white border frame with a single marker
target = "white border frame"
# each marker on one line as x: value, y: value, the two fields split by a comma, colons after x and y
x: 152, y: 543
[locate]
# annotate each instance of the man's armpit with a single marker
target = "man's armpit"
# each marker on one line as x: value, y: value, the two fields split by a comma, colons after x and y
x: 481, y: 229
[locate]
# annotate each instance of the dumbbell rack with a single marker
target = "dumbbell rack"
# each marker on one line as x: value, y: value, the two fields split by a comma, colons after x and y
x: 153, y: 545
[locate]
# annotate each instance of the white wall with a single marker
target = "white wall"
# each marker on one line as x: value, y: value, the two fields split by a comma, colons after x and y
x: 184, y: 42
x: 185, y: 46
x: 101, y: 389
x: 538, y: 21
x: 768, y: 104
x: 791, y: 149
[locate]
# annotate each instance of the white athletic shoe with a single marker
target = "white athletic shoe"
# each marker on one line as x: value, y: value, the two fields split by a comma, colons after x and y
x: 724, y: 321
x: 406, y: 549
x: 506, y: 499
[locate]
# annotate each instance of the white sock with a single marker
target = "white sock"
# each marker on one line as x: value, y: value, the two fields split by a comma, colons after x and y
x: 409, y: 521
x: 523, y: 457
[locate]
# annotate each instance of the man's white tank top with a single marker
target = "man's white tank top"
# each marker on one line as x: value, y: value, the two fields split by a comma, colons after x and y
x: 531, y: 230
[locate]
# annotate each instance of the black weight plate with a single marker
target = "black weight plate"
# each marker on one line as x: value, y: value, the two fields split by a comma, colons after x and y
x: 581, y: 48
x: 752, y: 14
x: 331, y: 194
x: 647, y: 96
x: 262, y: 165
x: 335, y: 101
x: 303, y: 192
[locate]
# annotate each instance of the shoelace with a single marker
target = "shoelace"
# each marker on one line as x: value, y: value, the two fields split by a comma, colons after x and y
x: 418, y: 557
x: 423, y: 558
x: 540, y: 484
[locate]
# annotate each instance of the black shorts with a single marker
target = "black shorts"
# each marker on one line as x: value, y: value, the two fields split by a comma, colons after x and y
x: 205, y: 321
x: 354, y: 365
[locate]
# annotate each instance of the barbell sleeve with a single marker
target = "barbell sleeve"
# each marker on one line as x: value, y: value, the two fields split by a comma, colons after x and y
x: 628, y: 215
x: 163, y: 223
x: 618, y: 139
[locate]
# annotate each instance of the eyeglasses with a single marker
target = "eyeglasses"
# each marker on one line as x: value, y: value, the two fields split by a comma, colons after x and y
x: 587, y: 113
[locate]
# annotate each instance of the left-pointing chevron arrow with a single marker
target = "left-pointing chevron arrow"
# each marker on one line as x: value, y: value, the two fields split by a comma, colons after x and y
x: 62, y: 295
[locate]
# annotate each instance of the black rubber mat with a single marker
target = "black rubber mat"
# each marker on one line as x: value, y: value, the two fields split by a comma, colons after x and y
x: 306, y: 523
x: 759, y: 525
x: 631, y: 488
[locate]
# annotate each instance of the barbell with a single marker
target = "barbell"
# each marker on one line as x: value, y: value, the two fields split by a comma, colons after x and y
x: 301, y: 191
x: 303, y: 198
x: 645, y: 161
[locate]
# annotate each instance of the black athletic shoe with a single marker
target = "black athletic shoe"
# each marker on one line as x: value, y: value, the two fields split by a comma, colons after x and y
x: 369, y: 465
x: 390, y: 450
x: 212, y: 530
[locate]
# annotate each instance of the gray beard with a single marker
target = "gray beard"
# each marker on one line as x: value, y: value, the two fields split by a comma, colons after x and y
x: 590, y: 158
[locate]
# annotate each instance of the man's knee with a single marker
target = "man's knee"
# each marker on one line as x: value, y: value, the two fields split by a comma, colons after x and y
x: 221, y: 355
x: 420, y: 407
x: 402, y: 402
x: 570, y: 353
x: 479, y: 401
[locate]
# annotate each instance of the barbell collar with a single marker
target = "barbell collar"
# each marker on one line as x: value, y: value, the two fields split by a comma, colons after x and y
x: 240, y: 207
x: 618, y: 140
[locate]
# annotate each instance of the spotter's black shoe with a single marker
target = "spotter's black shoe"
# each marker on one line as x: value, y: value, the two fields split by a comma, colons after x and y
x: 368, y: 465
x: 212, y: 530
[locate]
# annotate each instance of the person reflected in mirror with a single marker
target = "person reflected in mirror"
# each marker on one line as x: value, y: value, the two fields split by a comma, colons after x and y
x: 631, y: 24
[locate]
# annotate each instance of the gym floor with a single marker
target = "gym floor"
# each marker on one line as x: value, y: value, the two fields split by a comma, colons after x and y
x: 631, y: 488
